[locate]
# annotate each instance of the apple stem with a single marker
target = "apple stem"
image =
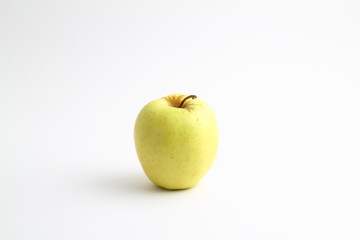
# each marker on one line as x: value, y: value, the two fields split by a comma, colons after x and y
x: 183, y: 101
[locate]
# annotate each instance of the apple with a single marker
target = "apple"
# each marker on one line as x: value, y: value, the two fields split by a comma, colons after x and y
x: 176, y: 140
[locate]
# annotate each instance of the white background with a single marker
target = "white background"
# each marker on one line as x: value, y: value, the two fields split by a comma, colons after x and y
x: 282, y: 76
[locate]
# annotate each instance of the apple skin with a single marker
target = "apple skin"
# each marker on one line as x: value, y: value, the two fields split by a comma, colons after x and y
x: 176, y: 146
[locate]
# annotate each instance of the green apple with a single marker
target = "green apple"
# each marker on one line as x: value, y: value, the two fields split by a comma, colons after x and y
x: 176, y: 140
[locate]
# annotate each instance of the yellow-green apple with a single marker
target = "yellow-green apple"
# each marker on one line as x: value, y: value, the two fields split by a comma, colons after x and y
x: 176, y: 140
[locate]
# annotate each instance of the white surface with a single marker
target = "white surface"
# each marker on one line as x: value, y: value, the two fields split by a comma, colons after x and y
x: 282, y: 76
